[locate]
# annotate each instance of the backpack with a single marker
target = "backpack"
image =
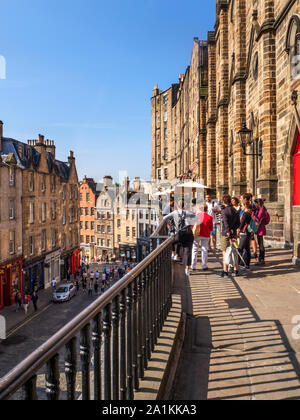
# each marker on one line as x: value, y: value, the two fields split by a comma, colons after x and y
x: 181, y: 224
x: 267, y: 218
x: 253, y: 225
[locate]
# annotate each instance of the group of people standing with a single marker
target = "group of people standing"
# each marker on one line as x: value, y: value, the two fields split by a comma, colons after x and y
x: 243, y: 224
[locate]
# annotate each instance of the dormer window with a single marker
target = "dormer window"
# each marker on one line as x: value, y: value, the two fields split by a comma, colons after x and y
x: 293, y: 46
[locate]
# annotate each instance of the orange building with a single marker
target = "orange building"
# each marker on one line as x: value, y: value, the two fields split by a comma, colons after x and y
x: 88, y: 197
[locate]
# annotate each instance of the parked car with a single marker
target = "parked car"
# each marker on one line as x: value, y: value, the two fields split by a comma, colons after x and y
x: 64, y: 293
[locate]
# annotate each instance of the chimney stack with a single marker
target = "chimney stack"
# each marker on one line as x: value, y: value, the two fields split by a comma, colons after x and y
x: 41, y: 139
x: 1, y: 135
x: 71, y: 157
x: 137, y: 184
x: 107, y: 181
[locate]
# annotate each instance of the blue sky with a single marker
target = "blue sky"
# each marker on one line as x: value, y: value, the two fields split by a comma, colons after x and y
x: 81, y: 72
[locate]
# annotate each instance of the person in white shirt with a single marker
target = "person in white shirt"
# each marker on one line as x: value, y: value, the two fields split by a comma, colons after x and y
x: 213, y: 209
x: 53, y: 284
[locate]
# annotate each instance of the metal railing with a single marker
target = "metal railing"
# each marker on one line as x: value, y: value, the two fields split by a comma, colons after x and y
x: 118, y: 331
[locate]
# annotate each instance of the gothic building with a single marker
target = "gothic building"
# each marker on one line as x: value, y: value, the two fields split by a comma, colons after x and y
x: 253, y: 76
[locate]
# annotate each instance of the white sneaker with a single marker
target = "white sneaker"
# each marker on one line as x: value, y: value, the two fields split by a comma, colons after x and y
x: 187, y: 273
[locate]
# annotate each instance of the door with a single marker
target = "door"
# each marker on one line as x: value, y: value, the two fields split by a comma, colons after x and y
x: 297, y: 174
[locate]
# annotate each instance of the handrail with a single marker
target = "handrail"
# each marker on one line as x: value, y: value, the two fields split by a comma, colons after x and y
x: 22, y: 373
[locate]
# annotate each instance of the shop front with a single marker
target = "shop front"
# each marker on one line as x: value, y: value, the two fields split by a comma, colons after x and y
x: 52, y: 268
x: 70, y: 261
x: 33, y: 276
x: 128, y: 253
x: 11, y: 281
x: 75, y: 260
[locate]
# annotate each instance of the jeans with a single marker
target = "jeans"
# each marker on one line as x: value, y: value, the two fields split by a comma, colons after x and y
x: 245, y: 245
x: 204, y: 247
x: 260, y: 240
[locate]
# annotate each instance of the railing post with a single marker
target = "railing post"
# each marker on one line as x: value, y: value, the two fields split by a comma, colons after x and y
x: 52, y: 379
x: 123, y: 346
x: 70, y: 369
x: 140, y: 327
x: 145, y: 305
x: 155, y: 303
x: 135, y: 334
x: 29, y: 389
x: 85, y: 356
x: 96, y: 339
x: 107, y: 352
x: 115, y: 348
x: 150, y: 315
x: 129, y: 343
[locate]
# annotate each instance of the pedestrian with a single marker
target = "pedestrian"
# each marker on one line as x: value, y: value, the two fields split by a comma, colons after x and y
x: 213, y: 209
x: 92, y: 276
x: 69, y: 276
x: 75, y: 276
x: 77, y: 285
x: 18, y: 301
x: 236, y: 204
x: 83, y: 284
x: 87, y: 266
x: 53, y: 284
x: 34, y: 299
x: 90, y: 290
x: 26, y: 301
x: 97, y: 275
x: 230, y: 223
x: 202, y: 233
x: 183, y: 221
x: 263, y: 217
x: 248, y: 198
x: 96, y: 286
x: 169, y: 208
x: 245, y: 235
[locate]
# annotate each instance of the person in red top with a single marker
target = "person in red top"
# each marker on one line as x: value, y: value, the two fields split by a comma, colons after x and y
x: 203, y: 238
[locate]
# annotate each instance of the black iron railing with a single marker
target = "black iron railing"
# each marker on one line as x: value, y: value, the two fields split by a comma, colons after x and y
x: 104, y: 352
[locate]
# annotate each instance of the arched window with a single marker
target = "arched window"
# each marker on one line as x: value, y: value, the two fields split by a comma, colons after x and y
x: 293, y: 46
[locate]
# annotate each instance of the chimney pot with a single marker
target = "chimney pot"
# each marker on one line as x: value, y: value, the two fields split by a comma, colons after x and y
x: 41, y: 139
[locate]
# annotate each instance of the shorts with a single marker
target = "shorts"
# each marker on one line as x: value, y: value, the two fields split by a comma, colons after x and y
x: 225, y: 243
x: 214, y: 232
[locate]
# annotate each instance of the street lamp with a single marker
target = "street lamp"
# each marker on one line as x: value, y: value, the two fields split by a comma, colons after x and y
x: 246, y: 139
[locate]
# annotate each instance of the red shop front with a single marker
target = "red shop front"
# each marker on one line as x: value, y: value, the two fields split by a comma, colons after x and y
x: 11, y: 281
x: 74, y: 262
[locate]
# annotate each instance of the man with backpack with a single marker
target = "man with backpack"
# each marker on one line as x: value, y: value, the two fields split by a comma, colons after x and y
x: 183, y: 220
x: 230, y: 223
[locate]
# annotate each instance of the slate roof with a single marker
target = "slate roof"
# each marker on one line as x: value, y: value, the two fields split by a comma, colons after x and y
x: 26, y: 155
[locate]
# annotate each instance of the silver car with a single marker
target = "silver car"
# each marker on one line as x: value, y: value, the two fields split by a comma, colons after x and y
x: 64, y: 293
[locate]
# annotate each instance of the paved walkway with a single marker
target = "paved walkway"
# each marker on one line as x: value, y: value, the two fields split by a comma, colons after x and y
x: 239, y: 342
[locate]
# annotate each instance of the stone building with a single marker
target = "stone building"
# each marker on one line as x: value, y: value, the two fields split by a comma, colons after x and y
x: 50, y: 211
x: 253, y: 79
x: 88, y: 199
x: 179, y: 122
x: 11, y: 252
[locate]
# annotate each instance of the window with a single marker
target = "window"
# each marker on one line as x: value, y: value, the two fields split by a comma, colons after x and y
x: 133, y: 232
x: 108, y: 229
x: 118, y: 210
x: 293, y: 46
x: 53, y: 183
x: 31, y: 213
x: 133, y: 214
x: 127, y: 214
x: 166, y: 154
x: 102, y: 242
x: 11, y: 209
x: 165, y: 99
x: 31, y: 181
x: 255, y: 66
x: 92, y: 211
x: 93, y: 239
x: 64, y: 216
x: 31, y: 245
x: 43, y: 183
x: 118, y: 223
x: 165, y: 116
x: 76, y: 214
x: 165, y: 133
x: 76, y: 192
x: 64, y: 242
x: 81, y: 197
x: 64, y: 193
x: 71, y: 215
x: 12, y: 242
x: 108, y: 215
x: 71, y: 192
x: 44, y: 240
x: 166, y: 173
x: 127, y: 232
x: 98, y: 229
x: 71, y: 239
x: 81, y: 225
x: 12, y: 176
x: 92, y: 225
x: 53, y: 238
x: 43, y: 212
x: 86, y: 225
x: 119, y: 239
x: 87, y: 239
x: 87, y: 211
x: 88, y: 197
x: 108, y: 243
x: 81, y: 239
x: 81, y: 211
x: 53, y: 210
